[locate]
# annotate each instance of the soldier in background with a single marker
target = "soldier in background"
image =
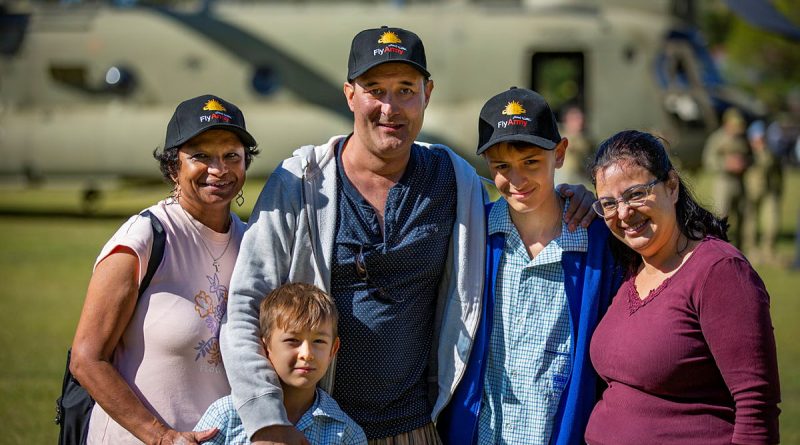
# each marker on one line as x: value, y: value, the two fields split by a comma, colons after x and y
x: 581, y: 147
x: 727, y: 156
x: 783, y: 137
x: 763, y: 188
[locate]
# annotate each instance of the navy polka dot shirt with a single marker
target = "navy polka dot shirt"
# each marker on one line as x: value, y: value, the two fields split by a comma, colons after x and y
x: 385, y: 286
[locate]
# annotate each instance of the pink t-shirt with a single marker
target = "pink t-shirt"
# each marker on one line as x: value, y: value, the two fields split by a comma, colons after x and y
x: 169, y: 354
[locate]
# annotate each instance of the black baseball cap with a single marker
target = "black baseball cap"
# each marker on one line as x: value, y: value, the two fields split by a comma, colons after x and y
x: 204, y: 113
x: 517, y: 115
x: 373, y: 47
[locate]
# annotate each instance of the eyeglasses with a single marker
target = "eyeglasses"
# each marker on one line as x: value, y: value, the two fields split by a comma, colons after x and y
x: 363, y: 275
x: 633, y: 197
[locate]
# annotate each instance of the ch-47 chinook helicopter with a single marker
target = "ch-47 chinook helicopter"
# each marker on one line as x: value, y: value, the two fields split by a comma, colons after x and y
x: 86, y: 89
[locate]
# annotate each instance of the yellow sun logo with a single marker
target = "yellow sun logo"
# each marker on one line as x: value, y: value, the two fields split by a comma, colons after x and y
x: 389, y: 37
x: 213, y: 105
x: 513, y: 108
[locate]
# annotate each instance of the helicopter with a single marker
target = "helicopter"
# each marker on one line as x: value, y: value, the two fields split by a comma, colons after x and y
x: 87, y: 88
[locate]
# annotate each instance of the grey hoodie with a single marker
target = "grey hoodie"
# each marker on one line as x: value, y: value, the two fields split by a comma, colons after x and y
x: 290, y: 238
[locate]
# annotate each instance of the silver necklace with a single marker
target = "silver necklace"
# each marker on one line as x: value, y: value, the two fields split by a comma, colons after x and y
x: 215, y: 261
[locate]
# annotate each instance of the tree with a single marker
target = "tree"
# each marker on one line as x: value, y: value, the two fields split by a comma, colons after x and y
x: 757, y: 61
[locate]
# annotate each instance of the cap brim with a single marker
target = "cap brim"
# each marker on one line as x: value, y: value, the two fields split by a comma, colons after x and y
x: 247, y: 139
x: 366, y: 68
x: 543, y: 143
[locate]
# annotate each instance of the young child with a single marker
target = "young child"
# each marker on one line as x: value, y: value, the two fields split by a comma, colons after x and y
x: 529, y: 379
x: 299, y: 330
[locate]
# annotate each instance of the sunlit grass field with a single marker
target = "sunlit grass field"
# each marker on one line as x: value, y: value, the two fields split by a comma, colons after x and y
x: 46, y: 254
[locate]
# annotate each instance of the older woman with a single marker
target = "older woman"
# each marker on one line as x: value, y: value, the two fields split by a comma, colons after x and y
x: 154, y: 366
x: 686, y: 347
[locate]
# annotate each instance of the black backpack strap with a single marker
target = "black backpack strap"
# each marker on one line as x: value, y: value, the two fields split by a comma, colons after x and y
x: 74, y: 407
x: 156, y: 252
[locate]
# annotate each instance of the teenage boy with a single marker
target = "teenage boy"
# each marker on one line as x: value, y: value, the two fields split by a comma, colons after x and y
x: 299, y: 330
x: 529, y: 379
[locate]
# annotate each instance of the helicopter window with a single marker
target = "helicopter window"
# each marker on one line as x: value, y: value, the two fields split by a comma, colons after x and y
x: 265, y: 80
x: 685, y: 96
x: 73, y: 76
x: 560, y: 77
x: 12, y: 32
x: 118, y: 80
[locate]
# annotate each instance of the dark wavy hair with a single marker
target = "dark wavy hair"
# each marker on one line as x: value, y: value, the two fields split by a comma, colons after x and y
x: 645, y: 150
x: 169, y: 163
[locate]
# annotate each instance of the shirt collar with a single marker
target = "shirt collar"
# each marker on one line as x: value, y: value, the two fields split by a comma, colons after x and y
x: 344, y: 182
x: 577, y: 241
x: 499, y: 219
x: 403, y: 182
x: 500, y: 222
x: 324, y: 406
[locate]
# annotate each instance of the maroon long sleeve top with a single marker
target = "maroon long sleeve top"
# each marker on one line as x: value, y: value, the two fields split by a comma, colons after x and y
x: 694, y: 362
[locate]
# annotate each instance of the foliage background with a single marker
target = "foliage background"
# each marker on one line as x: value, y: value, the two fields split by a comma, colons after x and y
x: 759, y: 62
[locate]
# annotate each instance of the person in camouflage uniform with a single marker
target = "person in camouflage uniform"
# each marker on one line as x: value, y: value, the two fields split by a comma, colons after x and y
x: 763, y: 188
x: 581, y: 147
x: 727, y: 156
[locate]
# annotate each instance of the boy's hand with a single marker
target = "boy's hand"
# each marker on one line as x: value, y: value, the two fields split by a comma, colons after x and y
x: 580, y: 205
x: 279, y: 435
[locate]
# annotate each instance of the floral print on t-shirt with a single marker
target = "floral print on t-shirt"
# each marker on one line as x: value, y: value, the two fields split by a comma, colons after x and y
x: 211, y: 306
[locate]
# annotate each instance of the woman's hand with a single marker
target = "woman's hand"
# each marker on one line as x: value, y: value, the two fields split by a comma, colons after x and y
x: 580, y: 205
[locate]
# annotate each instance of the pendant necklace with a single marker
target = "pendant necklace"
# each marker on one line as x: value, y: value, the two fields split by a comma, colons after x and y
x: 215, y: 261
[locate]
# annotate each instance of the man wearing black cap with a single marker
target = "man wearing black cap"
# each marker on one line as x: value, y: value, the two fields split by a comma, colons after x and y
x: 394, y: 230
x: 528, y: 379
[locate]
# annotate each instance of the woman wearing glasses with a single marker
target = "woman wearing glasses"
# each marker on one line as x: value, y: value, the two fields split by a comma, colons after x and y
x: 686, y: 347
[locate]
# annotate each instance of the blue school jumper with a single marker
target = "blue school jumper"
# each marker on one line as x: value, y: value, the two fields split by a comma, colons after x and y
x: 591, y: 279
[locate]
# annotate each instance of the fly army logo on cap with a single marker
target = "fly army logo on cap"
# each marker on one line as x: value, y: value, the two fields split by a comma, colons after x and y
x: 392, y: 42
x: 213, y: 105
x: 219, y: 113
x: 513, y: 108
x: 517, y: 115
x: 373, y: 47
x: 389, y: 37
x: 516, y: 111
x: 203, y: 113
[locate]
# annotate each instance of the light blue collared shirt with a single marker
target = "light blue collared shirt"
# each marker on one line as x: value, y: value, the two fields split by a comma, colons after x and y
x: 323, y: 424
x: 531, y: 341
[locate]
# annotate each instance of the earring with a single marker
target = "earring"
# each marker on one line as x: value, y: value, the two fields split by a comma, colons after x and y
x: 240, y: 198
x: 176, y: 193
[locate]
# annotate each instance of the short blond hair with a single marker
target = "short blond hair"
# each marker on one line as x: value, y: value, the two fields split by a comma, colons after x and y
x: 297, y: 306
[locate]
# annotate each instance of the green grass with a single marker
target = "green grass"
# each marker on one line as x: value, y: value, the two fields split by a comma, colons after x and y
x: 46, y: 265
x: 46, y: 261
x: 785, y: 309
